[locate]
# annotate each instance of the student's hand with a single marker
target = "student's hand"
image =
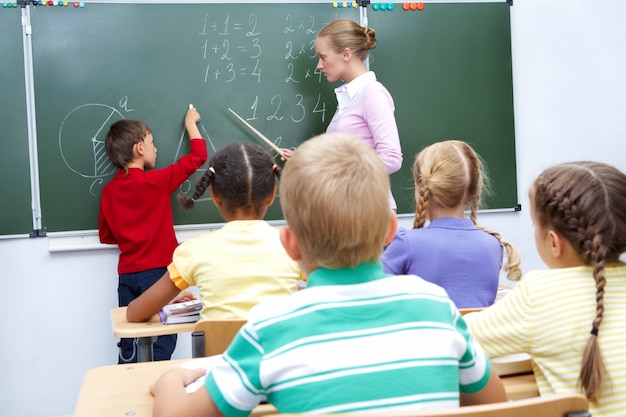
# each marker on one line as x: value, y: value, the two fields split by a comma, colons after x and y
x: 184, y: 295
x: 192, y: 116
x: 175, y: 379
x: 172, y: 399
x: 191, y: 119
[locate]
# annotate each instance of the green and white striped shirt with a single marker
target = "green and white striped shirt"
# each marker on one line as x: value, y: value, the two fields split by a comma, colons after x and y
x: 356, y: 340
x: 549, y: 315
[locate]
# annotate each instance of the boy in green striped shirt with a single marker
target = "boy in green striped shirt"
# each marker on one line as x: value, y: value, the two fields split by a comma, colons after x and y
x: 357, y: 339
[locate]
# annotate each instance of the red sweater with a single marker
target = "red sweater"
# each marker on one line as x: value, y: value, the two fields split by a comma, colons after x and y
x: 136, y: 211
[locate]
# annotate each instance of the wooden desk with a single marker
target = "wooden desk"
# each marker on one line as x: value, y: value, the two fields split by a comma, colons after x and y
x: 123, y: 390
x: 516, y: 372
x: 144, y: 332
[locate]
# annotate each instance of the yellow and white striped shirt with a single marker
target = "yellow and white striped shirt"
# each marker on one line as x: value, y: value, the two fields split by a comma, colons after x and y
x: 549, y: 315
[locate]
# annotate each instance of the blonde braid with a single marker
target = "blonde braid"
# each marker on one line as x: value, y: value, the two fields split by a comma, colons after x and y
x: 422, y: 208
x: 474, y: 212
x: 513, y: 258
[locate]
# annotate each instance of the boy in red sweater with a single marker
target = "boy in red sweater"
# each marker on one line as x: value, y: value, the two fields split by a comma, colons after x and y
x: 136, y: 212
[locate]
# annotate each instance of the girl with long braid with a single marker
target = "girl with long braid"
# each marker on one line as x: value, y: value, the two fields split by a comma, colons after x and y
x: 240, y: 264
x: 570, y: 318
x: 453, y: 251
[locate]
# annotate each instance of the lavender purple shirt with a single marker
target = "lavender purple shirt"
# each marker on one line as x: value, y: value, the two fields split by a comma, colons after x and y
x: 452, y: 253
x: 366, y: 110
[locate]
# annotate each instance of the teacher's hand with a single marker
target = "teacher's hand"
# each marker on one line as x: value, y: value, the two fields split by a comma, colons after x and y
x: 287, y: 153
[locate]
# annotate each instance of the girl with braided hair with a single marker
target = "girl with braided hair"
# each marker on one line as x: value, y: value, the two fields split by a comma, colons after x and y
x: 240, y: 264
x: 453, y: 252
x: 570, y: 318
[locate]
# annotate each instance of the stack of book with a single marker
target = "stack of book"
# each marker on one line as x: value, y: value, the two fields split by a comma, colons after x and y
x: 186, y: 312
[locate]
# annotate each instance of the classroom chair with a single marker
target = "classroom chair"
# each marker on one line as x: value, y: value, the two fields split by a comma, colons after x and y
x: 557, y: 405
x: 465, y: 311
x: 212, y: 337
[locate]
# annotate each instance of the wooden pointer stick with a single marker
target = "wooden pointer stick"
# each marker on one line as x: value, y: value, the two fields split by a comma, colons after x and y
x: 259, y: 134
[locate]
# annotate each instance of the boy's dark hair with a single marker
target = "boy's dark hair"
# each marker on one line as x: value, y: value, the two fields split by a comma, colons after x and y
x: 121, y: 138
x: 243, y: 175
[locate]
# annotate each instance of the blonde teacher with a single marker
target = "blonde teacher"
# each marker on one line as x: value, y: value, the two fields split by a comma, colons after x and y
x: 364, y: 106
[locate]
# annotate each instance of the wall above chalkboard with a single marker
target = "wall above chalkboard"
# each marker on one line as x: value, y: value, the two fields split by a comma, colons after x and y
x: 448, y: 68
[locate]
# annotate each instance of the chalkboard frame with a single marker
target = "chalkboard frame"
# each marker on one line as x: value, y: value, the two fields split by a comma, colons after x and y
x: 15, y: 187
x: 382, y: 54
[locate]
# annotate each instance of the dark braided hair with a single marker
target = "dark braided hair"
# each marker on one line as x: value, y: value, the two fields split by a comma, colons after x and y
x: 584, y: 202
x: 243, y: 175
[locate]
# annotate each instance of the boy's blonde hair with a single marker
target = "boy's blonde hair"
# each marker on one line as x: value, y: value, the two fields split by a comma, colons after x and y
x: 334, y: 193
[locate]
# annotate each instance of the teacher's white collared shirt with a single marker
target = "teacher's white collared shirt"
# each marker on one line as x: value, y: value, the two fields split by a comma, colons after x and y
x: 346, y: 93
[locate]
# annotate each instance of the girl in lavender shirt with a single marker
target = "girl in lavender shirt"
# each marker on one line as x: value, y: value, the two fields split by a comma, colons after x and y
x: 453, y: 252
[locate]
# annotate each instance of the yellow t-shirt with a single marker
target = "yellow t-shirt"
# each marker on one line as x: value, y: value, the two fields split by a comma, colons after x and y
x: 548, y: 315
x: 235, y: 268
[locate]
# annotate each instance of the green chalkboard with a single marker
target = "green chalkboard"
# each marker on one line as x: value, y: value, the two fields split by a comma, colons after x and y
x: 148, y: 62
x: 14, y: 161
x: 448, y: 68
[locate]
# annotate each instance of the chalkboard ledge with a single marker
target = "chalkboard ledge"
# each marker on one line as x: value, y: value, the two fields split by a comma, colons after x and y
x: 495, y: 210
x: 76, y: 241
x: 82, y: 240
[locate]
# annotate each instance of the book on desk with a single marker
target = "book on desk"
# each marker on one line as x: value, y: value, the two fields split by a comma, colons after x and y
x: 185, y: 312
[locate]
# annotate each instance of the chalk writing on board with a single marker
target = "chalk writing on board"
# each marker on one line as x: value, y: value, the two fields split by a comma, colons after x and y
x: 297, y: 111
x: 233, y: 50
x: 81, y: 143
x: 187, y: 187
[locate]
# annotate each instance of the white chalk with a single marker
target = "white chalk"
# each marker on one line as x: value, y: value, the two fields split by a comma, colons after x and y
x: 191, y: 106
